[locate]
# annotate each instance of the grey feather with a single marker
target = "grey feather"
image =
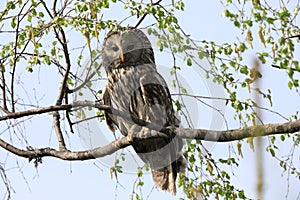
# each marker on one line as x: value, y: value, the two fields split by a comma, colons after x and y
x: 134, y: 86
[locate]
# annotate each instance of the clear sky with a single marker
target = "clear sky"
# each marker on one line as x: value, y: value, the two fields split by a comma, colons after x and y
x: 56, y: 179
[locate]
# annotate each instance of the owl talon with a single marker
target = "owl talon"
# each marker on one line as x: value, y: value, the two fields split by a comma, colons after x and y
x: 131, y: 138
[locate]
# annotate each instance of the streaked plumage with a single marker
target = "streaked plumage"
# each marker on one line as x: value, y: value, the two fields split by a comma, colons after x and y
x: 134, y: 86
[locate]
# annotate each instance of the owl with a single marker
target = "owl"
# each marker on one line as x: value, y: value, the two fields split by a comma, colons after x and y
x: 134, y: 86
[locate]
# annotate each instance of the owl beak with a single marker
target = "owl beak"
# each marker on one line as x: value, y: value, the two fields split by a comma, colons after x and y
x: 122, y: 57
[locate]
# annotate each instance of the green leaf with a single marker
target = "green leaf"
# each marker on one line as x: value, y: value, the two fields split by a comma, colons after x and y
x: 89, y: 84
x: 239, y: 148
x: 53, y: 51
x: 249, y: 23
x: 29, y: 69
x: 13, y: 22
x: 209, y: 168
x: 242, y: 47
x: 69, y: 82
x: 201, y: 54
x: 272, y: 152
x: 10, y: 5
x: 183, y: 90
x: 172, y: 71
x: 140, y: 183
x: 29, y: 18
x: 140, y: 173
x: 189, y: 62
x: 137, y: 197
x: 244, y: 70
x: 33, y: 11
x: 237, y: 24
x: 296, y: 83
x: 47, y: 60
x: 290, y: 84
x: 178, y: 105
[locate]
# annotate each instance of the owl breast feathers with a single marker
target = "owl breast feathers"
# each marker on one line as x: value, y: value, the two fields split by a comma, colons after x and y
x: 134, y: 86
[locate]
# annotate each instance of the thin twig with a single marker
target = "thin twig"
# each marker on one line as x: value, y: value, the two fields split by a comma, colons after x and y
x: 3, y: 85
x: 87, y: 79
x: 228, y: 99
x: 145, y: 14
x: 278, y: 67
x: 68, y: 114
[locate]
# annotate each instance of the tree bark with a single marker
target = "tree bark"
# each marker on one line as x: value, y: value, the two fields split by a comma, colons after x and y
x: 199, y: 134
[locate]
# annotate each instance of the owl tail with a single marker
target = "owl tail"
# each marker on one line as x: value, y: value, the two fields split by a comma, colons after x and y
x: 165, y: 178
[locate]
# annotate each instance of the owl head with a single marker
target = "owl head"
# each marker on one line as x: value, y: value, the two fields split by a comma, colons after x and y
x: 127, y: 47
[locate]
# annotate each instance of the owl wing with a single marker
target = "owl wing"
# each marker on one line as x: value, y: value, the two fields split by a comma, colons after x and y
x: 152, y: 102
x: 108, y: 117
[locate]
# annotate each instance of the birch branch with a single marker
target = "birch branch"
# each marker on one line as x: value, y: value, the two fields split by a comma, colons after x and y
x: 200, y: 134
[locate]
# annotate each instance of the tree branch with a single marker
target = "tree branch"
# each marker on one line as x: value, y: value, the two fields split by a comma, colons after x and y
x: 144, y: 15
x: 61, y: 37
x: 200, y: 134
x: 278, y: 67
x: 2, y: 86
x: 85, y: 81
x: 238, y: 134
x: 67, y: 155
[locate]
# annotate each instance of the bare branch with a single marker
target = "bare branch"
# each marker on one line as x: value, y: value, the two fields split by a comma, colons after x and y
x: 198, y: 97
x: 54, y: 7
x: 6, y: 182
x: 238, y: 134
x: 2, y: 86
x: 202, y: 134
x: 65, y: 154
x: 25, y: 113
x: 85, y: 81
x: 61, y: 37
x: 144, y: 15
x: 68, y: 114
x: 15, y: 62
x: 294, y: 36
x: 278, y: 67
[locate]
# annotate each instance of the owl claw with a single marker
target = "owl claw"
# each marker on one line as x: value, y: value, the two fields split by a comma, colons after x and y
x: 131, y: 138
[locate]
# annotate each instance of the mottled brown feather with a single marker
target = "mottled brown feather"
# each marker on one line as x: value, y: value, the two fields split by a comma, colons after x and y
x: 136, y: 87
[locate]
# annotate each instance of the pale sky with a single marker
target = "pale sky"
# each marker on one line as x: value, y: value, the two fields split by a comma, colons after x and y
x: 57, y: 179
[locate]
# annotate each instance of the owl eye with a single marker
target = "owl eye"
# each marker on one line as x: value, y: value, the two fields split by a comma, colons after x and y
x: 115, y: 48
x: 129, y: 47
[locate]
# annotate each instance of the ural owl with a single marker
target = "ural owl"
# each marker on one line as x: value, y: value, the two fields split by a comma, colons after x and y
x: 134, y: 86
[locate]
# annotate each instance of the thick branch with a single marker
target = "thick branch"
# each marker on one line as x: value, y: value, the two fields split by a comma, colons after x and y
x: 238, y: 134
x: 200, y: 134
x: 68, y: 155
